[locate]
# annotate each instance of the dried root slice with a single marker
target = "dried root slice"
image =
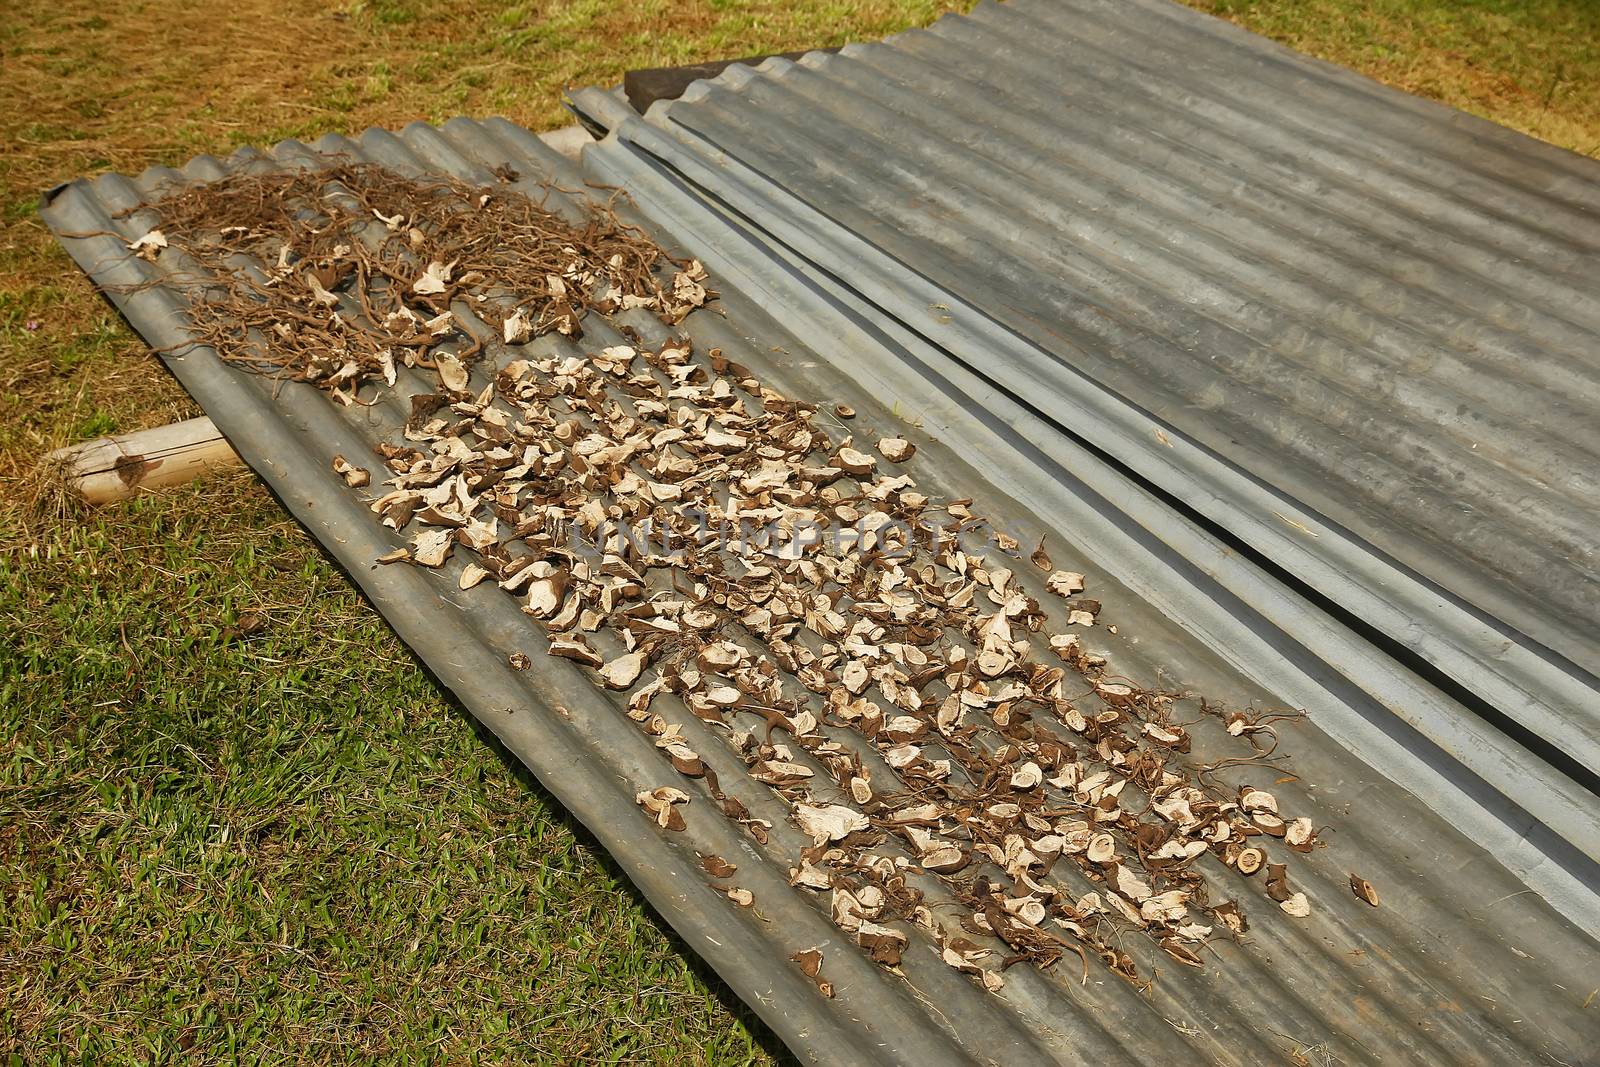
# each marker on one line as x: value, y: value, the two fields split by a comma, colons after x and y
x: 545, y: 591
x: 884, y: 944
x: 431, y: 548
x: 717, y: 867
x: 355, y: 477
x: 1268, y: 823
x: 1297, y: 905
x: 519, y: 660
x: 1065, y: 583
x: 623, y: 671
x: 1257, y: 800
x: 1363, y: 889
x: 662, y: 805
x: 452, y: 372
x: 1102, y: 848
x: 947, y: 859
x: 853, y: 462
x: 810, y: 961
x: 742, y: 897
x: 1278, y: 882
x: 829, y: 822
x: 517, y: 329
x: 1300, y: 835
x: 1249, y: 860
x: 896, y: 449
x: 577, y: 650
x: 844, y: 411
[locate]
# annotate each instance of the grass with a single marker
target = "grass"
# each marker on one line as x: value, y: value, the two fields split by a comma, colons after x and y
x: 237, y: 820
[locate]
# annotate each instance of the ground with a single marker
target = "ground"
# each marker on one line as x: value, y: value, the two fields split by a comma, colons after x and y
x: 237, y: 819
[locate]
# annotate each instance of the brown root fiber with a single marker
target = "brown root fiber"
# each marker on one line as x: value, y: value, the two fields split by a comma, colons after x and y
x: 335, y: 274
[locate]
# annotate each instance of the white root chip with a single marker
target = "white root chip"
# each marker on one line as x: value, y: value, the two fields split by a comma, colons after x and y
x: 1028, y: 776
x: 661, y: 804
x: 471, y: 575
x: 434, y: 280
x: 517, y: 329
x: 1269, y: 823
x: 544, y: 596
x: 1102, y: 848
x: 1065, y: 583
x: 947, y: 859
x: 854, y: 463
x: 623, y: 671
x: 1258, y: 800
x: 896, y: 449
x: 148, y: 246
x: 1297, y: 905
x: 431, y: 548
x: 577, y: 650
x: 742, y: 897
x: 1300, y: 835
x: 1131, y: 885
x: 1249, y: 860
x: 355, y: 477
x: 829, y: 822
x: 452, y: 372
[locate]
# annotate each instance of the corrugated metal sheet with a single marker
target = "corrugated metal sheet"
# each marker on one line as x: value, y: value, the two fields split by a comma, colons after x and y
x: 1461, y: 963
x: 1355, y: 330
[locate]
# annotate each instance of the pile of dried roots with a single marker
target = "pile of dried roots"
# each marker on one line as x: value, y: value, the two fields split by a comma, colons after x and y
x: 949, y: 752
x: 776, y: 599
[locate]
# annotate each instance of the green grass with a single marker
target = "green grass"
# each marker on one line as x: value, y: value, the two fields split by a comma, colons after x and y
x: 237, y: 820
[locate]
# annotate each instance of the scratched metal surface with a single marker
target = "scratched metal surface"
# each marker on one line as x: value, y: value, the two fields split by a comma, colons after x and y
x: 1461, y: 964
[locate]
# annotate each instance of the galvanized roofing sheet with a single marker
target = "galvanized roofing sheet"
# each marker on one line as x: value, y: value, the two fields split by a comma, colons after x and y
x: 1460, y: 964
x: 1355, y: 330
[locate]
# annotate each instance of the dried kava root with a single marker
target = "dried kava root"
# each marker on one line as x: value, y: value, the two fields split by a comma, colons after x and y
x: 699, y: 541
x: 951, y: 753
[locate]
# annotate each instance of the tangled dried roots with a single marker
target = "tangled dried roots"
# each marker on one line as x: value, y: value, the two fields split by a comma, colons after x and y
x: 333, y: 275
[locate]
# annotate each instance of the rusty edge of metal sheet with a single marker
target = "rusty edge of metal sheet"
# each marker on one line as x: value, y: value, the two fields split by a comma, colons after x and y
x: 712, y: 135
x: 1456, y: 927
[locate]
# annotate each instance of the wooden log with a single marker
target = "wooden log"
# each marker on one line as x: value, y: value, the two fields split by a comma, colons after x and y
x: 115, y: 468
